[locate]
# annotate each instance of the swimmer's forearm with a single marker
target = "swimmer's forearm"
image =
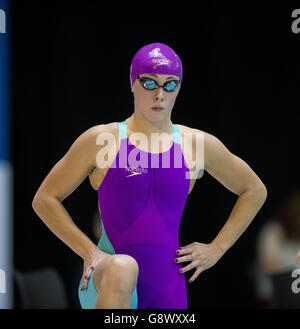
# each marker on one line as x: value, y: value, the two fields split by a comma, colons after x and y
x: 57, y: 219
x: 242, y: 214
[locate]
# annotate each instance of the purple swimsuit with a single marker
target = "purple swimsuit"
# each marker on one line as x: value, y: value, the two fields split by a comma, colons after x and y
x: 141, y: 209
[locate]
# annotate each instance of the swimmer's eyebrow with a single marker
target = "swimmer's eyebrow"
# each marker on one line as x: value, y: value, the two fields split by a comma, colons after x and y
x: 154, y: 75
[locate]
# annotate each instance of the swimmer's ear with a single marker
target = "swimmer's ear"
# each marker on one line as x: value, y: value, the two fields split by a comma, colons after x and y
x: 132, y: 88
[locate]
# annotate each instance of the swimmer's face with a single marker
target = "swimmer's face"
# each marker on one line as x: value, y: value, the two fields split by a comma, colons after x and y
x: 147, y: 102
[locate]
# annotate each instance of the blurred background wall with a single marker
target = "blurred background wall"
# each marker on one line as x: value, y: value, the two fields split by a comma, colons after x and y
x: 6, y: 177
x: 70, y: 71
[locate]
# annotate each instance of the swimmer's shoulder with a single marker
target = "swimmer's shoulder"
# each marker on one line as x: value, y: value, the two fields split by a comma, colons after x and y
x: 208, y: 137
x: 188, y: 130
x: 90, y: 141
x: 213, y: 146
x: 94, y: 131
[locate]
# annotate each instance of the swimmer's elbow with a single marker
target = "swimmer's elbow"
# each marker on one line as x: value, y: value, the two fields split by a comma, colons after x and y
x: 262, y: 192
x: 40, y: 202
x: 37, y: 202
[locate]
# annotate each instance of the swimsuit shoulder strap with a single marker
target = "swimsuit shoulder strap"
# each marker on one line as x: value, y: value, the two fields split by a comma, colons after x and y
x: 177, y: 137
x: 123, y: 130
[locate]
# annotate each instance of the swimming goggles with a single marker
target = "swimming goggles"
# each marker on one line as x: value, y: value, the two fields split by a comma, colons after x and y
x: 151, y: 84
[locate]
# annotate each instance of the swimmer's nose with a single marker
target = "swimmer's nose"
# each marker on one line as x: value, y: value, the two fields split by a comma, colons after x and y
x: 159, y: 95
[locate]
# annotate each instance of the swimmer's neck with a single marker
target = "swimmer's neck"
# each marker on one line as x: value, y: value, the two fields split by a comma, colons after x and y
x: 138, y: 123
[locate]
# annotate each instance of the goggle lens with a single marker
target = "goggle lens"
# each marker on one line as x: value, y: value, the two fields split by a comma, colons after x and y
x: 150, y: 84
x: 170, y: 86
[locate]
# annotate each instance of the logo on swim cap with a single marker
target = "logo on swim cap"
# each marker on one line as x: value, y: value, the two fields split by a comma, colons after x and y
x: 155, y: 53
x: 160, y: 61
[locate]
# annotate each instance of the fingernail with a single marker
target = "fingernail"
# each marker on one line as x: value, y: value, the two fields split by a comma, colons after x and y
x: 177, y: 252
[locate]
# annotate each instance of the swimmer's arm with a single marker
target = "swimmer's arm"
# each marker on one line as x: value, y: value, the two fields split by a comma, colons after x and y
x: 236, y: 175
x: 67, y: 174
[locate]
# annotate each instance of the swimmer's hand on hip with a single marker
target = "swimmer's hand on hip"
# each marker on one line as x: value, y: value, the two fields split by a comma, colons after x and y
x: 202, y: 256
x: 90, y: 263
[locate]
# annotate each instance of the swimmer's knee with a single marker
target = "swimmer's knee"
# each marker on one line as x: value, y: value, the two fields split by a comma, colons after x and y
x: 131, y: 270
x: 122, y: 266
x: 120, y: 272
x: 123, y: 262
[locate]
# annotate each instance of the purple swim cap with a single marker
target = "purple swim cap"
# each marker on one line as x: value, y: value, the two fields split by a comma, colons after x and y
x: 155, y: 58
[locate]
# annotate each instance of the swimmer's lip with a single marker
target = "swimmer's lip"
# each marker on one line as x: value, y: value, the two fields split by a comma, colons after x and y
x: 157, y: 108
